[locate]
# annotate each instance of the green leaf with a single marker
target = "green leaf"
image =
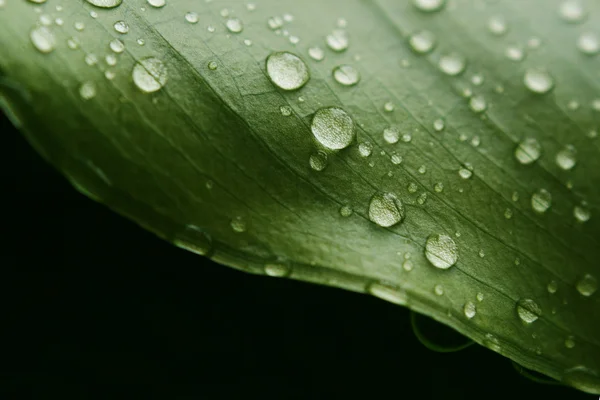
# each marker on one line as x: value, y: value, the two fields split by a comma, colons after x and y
x: 446, y: 160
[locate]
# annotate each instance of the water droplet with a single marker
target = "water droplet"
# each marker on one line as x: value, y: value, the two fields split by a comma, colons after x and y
x: 79, y: 26
x: 316, y: 53
x: 140, y: 41
x: 480, y: 296
x: 391, y: 135
x: 117, y: 46
x: 492, y: 342
x: 497, y: 25
x: 286, y: 111
x: 570, y: 342
x: 346, y: 211
x: 87, y: 90
x: 470, y: 309
x: 438, y: 187
x: 515, y: 196
x: 191, y: 17
x: 333, y: 128
x: 528, y: 151
x: 422, y: 42
x: 581, y: 213
x: 234, y: 25
x: 238, y: 224
x: 396, y: 159
x: 588, y: 43
x: 194, y: 239
x: 481, y: 253
x: 552, y: 287
x: 508, y: 213
x: 388, y: 293
x: 477, y: 104
x: 157, y: 3
x: 91, y: 59
x: 385, y: 209
x: 538, y: 80
x: 572, y: 11
x: 541, y: 201
x: 121, y: 27
x: 346, y: 75
x: 287, y: 71
x: 277, y: 270
x: 407, y: 138
x: 567, y: 157
x: 111, y: 60
x: 514, y: 53
x: 429, y: 5
x: 441, y: 251
x: 365, y: 149
x: 407, y: 265
x: 439, y: 125
x: 438, y: 290
x: 337, y: 40
x: 388, y: 107
x: 43, y: 39
x: 212, y: 65
x: 318, y: 161
x: 587, y: 285
x: 465, y: 173
x: 149, y: 74
x: 37, y: 1
x: 105, y: 3
x: 477, y: 80
x: 452, y: 64
x: 528, y: 310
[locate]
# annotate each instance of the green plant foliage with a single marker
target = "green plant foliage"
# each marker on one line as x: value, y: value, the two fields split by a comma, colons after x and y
x: 441, y: 155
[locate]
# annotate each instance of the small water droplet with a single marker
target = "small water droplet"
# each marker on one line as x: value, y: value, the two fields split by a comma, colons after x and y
x: 43, y: 39
x: 117, y: 46
x: 477, y: 104
x: 388, y: 107
x: 412, y: 187
x: 87, y: 90
x: 212, y: 65
x: 316, y: 53
x: 337, y: 40
x: 157, y: 3
x: 508, y: 213
x: 514, y: 53
x: 438, y: 290
x: 566, y: 158
x: 277, y: 270
x: 497, y: 25
x: 318, y: 161
x: 149, y: 74
x: 470, y: 309
x: 365, y: 149
x: 286, y: 111
x: 572, y: 11
x: 541, y: 201
x: 465, y: 173
x: 234, y: 25
x: 192, y: 17
x: 528, y: 151
x: 422, y: 42
x: 194, y: 239
x: 346, y: 211
x: 105, y: 3
x: 121, y: 27
x: 492, y: 343
x: 346, y: 75
x: 91, y: 59
x: 481, y: 253
x: 587, y: 285
x: 388, y: 293
x: 581, y: 213
x: 407, y: 265
x: 480, y: 297
x: 386, y: 209
x: 570, y: 342
x: 552, y: 287
x: 287, y: 71
x: 391, y: 134
x: 396, y: 159
x: 333, y: 128
x: 538, y: 80
x: 452, y: 64
x: 438, y: 187
x: 441, y: 251
x: 429, y: 5
x: 439, y: 125
x: 238, y: 224
x: 528, y: 310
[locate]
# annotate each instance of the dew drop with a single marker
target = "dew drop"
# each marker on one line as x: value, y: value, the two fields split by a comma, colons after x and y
x: 552, y: 287
x: 43, y: 39
x: 570, y: 342
x: 212, y: 65
x: 528, y: 310
x: 192, y: 17
x: 385, y: 209
x: 87, y: 90
x: 514, y: 53
x: 587, y: 285
x: 346, y: 75
x: 407, y: 265
x: 388, y: 293
x: 588, y: 43
x: 121, y: 27
x: 429, y: 5
x: 470, y: 309
x: 538, y: 80
x: 337, y: 40
x: 477, y: 104
x: 346, y: 211
x: 528, y: 151
x: 480, y: 296
x: 105, y: 3
x: 438, y: 290
x: 541, y: 201
x: 439, y: 125
x: 465, y: 173
x: 581, y: 213
x: 567, y: 157
x: 333, y: 128
x: 91, y: 59
x: 287, y: 71
x: 277, y: 270
x: 286, y: 111
x: 194, y: 239
x: 508, y: 213
x: 318, y: 161
x: 396, y: 159
x: 365, y: 149
x: 441, y: 251
x: 497, y: 25
x: 117, y: 46
x: 391, y: 135
x: 572, y: 11
x: 422, y: 42
x: 388, y: 107
x: 492, y: 342
x: 238, y: 224
x: 452, y: 64
x: 149, y: 75
x: 275, y: 23
x: 234, y: 25
x: 316, y: 53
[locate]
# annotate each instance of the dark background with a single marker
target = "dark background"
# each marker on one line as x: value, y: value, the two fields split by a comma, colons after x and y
x: 99, y: 308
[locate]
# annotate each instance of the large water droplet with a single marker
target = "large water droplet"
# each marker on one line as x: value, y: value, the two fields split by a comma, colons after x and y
x: 388, y: 293
x: 441, y: 251
x: 452, y: 64
x: 567, y: 157
x: 43, y: 39
x: 422, y: 42
x: 337, y: 40
x: 386, y: 209
x: 149, y: 74
x: 587, y: 285
x: 541, y: 201
x: 287, y: 71
x: 538, y: 80
x: 346, y: 75
x: 105, y: 3
x: 333, y: 128
x: 429, y: 5
x: 194, y: 239
x: 528, y: 151
x: 528, y: 310
x: 470, y: 309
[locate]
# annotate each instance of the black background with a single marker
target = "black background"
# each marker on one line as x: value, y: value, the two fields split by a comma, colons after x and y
x: 99, y: 308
